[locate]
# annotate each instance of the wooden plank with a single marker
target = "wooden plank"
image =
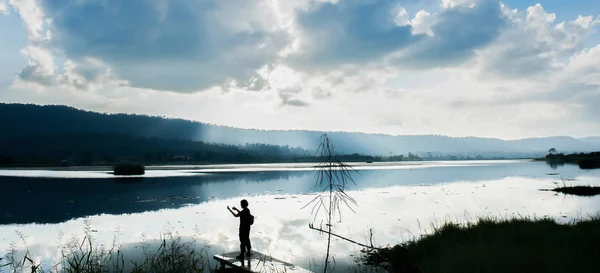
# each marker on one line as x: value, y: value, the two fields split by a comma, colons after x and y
x: 257, y: 263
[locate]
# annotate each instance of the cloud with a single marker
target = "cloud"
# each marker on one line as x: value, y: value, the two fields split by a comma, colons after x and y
x: 40, y: 68
x: 320, y: 93
x: 256, y: 83
x: 570, y: 91
x: 589, y: 99
x: 583, y: 66
x: 579, y: 84
x: 171, y: 45
x: 350, y: 32
x: 365, y: 32
x: 180, y: 46
x: 3, y: 7
x: 462, y: 68
x: 422, y: 23
x: 288, y: 97
x: 86, y: 74
x: 457, y: 32
x: 534, y: 44
x: 454, y: 3
x: 34, y: 18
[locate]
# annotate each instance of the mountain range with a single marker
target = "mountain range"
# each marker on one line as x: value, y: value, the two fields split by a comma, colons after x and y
x: 29, y: 120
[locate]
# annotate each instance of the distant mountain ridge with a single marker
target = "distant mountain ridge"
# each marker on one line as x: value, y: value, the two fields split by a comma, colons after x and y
x: 19, y: 120
x: 592, y: 140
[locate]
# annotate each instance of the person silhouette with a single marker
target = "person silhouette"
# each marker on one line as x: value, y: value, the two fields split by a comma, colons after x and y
x: 244, y: 231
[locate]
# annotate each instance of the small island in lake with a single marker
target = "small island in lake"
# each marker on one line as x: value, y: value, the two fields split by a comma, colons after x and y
x: 129, y: 169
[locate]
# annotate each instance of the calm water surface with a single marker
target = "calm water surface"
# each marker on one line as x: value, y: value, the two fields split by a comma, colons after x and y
x: 397, y: 201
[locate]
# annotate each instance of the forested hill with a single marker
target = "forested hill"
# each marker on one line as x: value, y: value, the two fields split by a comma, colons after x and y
x: 34, y: 121
x: 33, y: 135
x: 97, y: 148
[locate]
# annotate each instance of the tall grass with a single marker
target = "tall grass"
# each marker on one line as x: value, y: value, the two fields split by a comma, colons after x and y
x: 15, y: 264
x: 173, y: 255
x: 497, y: 245
x: 85, y: 255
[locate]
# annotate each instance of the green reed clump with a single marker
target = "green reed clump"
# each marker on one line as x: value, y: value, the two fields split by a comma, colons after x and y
x: 497, y: 245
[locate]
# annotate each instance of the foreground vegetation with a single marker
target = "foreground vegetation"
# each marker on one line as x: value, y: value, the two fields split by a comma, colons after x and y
x: 496, y: 245
x: 488, y: 245
x: 172, y: 254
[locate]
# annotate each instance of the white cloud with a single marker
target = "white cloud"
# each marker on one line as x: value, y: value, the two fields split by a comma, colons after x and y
x: 177, y: 46
x: 454, y: 3
x: 534, y: 45
x: 40, y: 68
x: 558, y: 37
x: 34, y: 18
x: 422, y: 23
x: 3, y: 7
x: 402, y: 17
x: 458, y: 33
x: 368, y: 32
x: 583, y: 66
x: 485, y: 69
x: 88, y: 74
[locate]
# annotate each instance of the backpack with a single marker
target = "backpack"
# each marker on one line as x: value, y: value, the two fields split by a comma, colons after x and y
x: 251, y: 219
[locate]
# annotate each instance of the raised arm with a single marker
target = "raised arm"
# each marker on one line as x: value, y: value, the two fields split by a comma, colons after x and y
x: 233, y: 213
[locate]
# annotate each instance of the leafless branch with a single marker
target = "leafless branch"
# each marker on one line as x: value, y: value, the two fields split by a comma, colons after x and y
x: 311, y: 226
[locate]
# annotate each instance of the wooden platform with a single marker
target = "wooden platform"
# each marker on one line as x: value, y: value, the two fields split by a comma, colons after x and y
x: 257, y: 263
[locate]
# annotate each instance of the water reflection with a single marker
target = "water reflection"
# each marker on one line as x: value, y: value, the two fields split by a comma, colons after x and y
x: 397, y: 204
x: 554, y: 165
x: 55, y: 200
x: 52, y: 200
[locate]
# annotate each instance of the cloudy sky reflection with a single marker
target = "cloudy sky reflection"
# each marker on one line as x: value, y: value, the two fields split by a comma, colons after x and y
x: 395, y: 212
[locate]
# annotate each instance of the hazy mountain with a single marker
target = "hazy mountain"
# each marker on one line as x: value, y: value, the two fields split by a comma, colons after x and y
x: 19, y: 120
x: 592, y: 140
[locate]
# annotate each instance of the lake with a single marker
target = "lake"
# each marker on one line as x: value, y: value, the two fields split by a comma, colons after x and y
x: 397, y: 201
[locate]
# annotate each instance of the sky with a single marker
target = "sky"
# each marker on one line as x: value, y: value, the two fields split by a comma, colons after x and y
x: 509, y: 70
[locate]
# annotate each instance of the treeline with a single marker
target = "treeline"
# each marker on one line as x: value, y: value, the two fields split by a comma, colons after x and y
x: 409, y: 157
x: 571, y: 158
x: 108, y: 149
x: 98, y: 149
x: 584, y: 160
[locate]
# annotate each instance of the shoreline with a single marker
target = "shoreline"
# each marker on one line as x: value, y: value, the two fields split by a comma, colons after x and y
x: 262, y: 166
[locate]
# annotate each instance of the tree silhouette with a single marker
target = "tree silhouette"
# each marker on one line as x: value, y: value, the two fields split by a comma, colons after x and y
x: 332, y: 177
x: 552, y: 151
